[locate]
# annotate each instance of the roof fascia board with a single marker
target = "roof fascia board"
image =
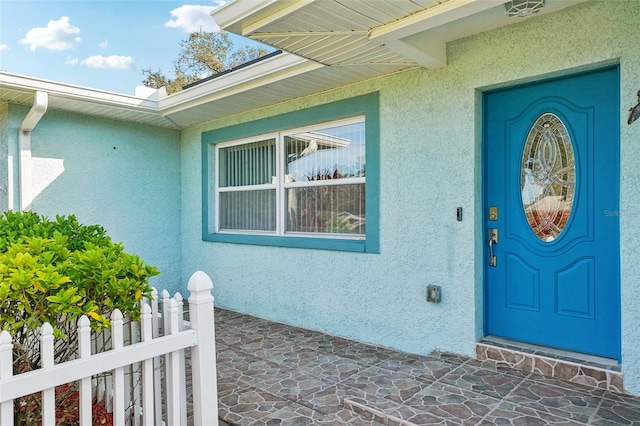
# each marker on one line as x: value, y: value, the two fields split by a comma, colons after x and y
x: 69, y: 91
x: 260, y: 74
x: 255, y: 26
x: 232, y: 13
x: 266, y: 36
x: 431, y: 18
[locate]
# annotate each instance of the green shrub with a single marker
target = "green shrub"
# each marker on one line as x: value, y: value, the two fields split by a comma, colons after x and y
x: 56, y: 271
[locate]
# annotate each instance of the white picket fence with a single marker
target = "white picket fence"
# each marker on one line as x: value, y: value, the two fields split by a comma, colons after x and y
x: 139, y: 373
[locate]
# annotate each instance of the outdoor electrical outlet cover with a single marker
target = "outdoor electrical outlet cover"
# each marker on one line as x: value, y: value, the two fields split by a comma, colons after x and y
x: 433, y: 293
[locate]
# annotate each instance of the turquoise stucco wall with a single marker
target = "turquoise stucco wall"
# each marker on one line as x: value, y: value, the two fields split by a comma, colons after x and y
x: 123, y: 176
x: 430, y: 165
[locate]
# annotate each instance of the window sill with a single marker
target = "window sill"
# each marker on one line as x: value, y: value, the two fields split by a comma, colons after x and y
x: 359, y: 246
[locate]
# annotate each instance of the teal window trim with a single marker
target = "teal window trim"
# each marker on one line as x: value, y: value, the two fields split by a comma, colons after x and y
x: 367, y: 105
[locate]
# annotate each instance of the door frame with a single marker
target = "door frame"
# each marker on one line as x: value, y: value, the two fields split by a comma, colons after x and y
x: 484, y: 251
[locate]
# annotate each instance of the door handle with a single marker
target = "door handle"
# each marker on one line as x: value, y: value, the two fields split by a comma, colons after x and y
x: 493, y: 239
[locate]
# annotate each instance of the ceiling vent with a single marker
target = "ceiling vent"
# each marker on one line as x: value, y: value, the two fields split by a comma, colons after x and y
x: 522, y: 8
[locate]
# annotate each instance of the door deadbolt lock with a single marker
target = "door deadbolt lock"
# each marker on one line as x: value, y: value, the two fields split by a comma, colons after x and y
x: 493, y: 213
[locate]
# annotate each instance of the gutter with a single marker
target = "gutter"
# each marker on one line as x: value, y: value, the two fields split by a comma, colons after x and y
x: 39, y: 107
x: 268, y: 69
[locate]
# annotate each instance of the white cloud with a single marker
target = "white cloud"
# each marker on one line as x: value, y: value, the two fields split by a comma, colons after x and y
x: 3, y: 47
x: 191, y: 18
x: 57, y: 35
x: 113, y: 62
x: 71, y: 60
x: 104, y: 44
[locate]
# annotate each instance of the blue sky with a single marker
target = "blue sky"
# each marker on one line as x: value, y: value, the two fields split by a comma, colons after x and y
x: 102, y: 44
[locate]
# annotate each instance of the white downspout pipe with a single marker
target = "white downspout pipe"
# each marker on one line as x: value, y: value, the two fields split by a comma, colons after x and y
x: 32, y: 118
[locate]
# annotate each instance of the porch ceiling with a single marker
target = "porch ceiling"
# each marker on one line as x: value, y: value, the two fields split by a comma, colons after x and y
x: 379, y: 37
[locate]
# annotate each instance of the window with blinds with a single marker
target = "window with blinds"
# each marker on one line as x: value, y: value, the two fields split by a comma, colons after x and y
x: 301, y: 182
x: 247, y: 196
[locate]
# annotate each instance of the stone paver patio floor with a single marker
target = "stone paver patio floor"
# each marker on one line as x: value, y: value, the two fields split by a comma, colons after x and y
x: 274, y: 374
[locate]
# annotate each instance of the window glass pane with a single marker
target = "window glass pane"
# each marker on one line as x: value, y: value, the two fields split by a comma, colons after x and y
x: 331, y: 153
x: 247, y: 164
x: 332, y: 208
x: 548, y: 177
x: 248, y: 210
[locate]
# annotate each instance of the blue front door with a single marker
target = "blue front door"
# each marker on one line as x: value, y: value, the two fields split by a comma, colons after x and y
x: 551, y: 170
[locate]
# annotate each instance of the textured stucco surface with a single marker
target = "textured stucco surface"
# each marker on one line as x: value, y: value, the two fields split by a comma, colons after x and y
x: 123, y: 176
x: 431, y: 164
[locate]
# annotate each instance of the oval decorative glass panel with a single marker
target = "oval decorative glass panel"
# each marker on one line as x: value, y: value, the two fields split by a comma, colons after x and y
x: 548, y: 177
